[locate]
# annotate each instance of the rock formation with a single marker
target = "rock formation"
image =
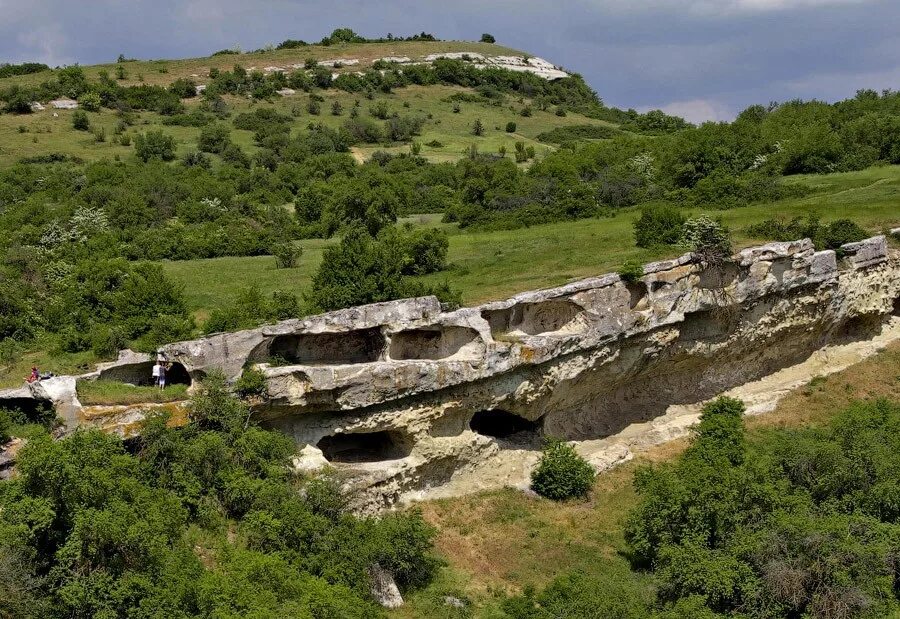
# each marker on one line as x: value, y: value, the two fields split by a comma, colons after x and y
x: 406, y: 396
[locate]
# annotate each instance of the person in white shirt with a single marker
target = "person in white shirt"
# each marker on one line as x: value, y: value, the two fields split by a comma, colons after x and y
x: 157, y: 372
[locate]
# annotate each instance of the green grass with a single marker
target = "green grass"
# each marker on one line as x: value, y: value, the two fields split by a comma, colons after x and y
x: 494, y: 265
x: 110, y: 392
x: 500, y: 542
x: 42, y: 133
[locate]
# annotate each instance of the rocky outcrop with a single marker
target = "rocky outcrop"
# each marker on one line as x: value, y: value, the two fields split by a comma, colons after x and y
x: 406, y: 396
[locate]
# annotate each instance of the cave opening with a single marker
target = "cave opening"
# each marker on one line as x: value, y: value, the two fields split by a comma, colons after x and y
x: 502, y: 424
x: 141, y: 374
x: 430, y: 344
x: 360, y: 346
x: 534, y: 318
x: 359, y: 447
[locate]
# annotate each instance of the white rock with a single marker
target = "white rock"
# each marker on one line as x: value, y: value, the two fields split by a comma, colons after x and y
x: 64, y: 104
x: 384, y: 588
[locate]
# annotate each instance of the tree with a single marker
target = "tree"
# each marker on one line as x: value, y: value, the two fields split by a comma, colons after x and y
x: 478, y: 127
x: 562, y: 473
x: 658, y: 225
x: 80, y: 121
x: 214, y: 138
x: 708, y: 238
x: 154, y: 145
x: 488, y: 38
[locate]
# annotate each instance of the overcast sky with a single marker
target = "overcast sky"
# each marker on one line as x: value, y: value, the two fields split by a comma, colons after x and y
x: 702, y: 59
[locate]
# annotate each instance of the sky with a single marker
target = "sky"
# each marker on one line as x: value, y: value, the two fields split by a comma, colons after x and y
x: 701, y: 59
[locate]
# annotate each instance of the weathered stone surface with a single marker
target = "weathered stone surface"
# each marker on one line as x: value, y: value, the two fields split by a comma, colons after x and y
x: 866, y: 253
x: 406, y: 397
x: 384, y: 589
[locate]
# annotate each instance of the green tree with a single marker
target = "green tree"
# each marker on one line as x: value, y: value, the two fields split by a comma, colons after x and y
x: 154, y: 145
x: 562, y: 473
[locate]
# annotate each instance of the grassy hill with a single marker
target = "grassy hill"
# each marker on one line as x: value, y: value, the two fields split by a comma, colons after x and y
x: 51, y: 130
x: 493, y: 265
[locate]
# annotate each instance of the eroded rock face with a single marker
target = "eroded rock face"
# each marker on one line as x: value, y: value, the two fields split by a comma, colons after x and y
x: 405, y: 397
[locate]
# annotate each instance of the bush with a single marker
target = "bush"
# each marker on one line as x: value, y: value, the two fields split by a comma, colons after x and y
x: 708, y: 238
x: 5, y: 425
x: 561, y: 473
x: 478, y: 127
x: 658, y: 225
x: 286, y: 255
x: 90, y: 102
x: 154, y: 145
x: 488, y: 38
x: 511, y: 127
x: 631, y: 271
x: 314, y: 107
x: 80, y: 121
x: 214, y: 138
x: 837, y: 233
x: 251, y: 384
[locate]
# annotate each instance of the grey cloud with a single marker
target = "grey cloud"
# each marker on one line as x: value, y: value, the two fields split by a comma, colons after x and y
x: 707, y: 58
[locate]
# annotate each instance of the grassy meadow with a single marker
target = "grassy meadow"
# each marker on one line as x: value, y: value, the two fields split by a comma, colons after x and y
x: 493, y: 265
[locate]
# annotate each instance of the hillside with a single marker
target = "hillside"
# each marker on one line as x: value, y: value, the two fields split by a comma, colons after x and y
x: 445, y: 136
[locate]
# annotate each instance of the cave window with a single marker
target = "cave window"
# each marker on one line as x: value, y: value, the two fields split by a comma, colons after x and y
x: 501, y: 424
x: 358, y: 447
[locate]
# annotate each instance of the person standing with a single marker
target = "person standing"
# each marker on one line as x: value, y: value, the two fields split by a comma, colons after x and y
x: 157, y: 367
x: 162, y: 375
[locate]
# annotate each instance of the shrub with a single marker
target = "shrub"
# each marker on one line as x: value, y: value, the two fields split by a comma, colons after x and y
x: 631, y: 271
x: 154, y: 145
x: 314, y: 107
x: 706, y: 237
x: 658, y: 225
x: 80, y: 121
x: 107, y: 341
x: 511, y: 127
x: 251, y: 384
x: 90, y: 101
x: 478, y: 127
x: 336, y: 108
x: 526, y: 111
x: 403, y: 128
x: 286, y: 255
x: 488, y: 38
x: 561, y: 473
x: 214, y: 138
x: 5, y: 425
x: 183, y: 88
x: 380, y: 110
x: 837, y: 233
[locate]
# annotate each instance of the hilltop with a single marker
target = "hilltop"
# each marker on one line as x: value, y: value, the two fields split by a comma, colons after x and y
x: 448, y: 110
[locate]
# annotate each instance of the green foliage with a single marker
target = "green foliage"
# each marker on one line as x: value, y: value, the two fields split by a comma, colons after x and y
x: 204, y: 520
x: 478, y: 127
x: 827, y: 236
x: 579, y: 596
x: 801, y: 525
x: 154, y: 145
x: 561, y: 473
x: 251, y: 384
x: 90, y: 101
x: 363, y: 269
x: 286, y: 255
x: 488, y: 38
x: 658, y: 225
x: 214, y: 138
x: 5, y: 426
x: 251, y: 308
x: 631, y: 271
x: 80, y: 121
x: 573, y: 133
x: 706, y: 237
x: 511, y: 127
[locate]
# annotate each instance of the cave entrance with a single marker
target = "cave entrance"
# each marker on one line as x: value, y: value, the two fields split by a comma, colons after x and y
x: 364, y: 447
x: 434, y: 343
x: 141, y: 374
x: 360, y: 346
x: 534, y: 318
x: 502, y: 424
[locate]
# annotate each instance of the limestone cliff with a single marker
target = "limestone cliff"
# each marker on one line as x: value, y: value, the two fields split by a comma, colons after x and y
x: 406, y: 396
